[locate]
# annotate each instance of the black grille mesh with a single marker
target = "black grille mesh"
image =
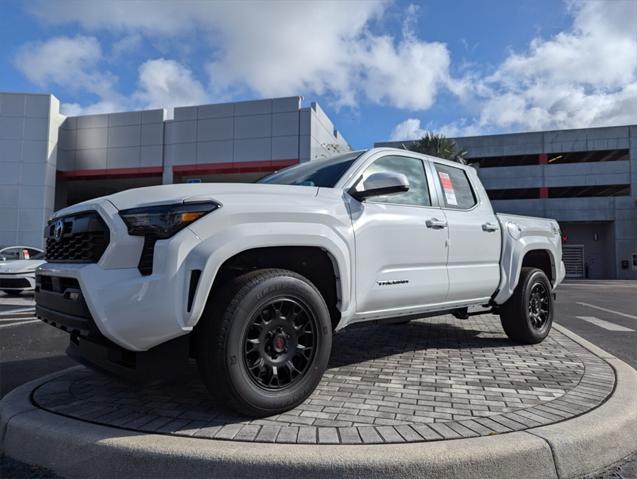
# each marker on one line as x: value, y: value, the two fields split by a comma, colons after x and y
x: 84, y: 238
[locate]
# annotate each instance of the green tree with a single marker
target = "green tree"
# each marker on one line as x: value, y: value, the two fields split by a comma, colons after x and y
x: 437, y: 145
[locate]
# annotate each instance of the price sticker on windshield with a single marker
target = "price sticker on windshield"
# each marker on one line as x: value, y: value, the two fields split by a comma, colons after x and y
x: 447, y: 187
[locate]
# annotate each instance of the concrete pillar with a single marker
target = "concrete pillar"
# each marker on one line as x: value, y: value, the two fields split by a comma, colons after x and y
x: 29, y: 126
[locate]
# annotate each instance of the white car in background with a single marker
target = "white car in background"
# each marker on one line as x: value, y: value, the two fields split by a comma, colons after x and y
x: 17, y: 268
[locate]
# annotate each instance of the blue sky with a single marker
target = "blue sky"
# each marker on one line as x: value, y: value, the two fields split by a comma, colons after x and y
x: 380, y: 69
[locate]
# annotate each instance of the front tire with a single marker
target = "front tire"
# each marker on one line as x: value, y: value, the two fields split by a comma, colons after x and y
x: 264, y: 342
x: 527, y: 316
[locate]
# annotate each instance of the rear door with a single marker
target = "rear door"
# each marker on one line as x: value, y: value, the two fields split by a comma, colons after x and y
x: 474, y: 234
x: 400, y: 260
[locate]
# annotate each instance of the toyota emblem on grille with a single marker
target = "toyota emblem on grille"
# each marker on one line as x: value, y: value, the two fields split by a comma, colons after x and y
x: 58, y: 230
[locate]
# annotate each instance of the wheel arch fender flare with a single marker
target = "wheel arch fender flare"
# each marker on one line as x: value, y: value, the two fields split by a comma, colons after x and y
x: 210, y: 254
x: 513, y: 254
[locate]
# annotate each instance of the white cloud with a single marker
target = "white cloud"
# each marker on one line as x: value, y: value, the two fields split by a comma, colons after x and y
x: 409, y: 129
x: 167, y: 83
x: 125, y: 45
x: 65, y: 61
x: 283, y: 48
x: 407, y: 75
x: 585, y: 76
x: 582, y: 77
x: 72, y: 63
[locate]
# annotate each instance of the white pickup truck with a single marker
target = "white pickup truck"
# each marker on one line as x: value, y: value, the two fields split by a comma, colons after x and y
x: 253, y: 279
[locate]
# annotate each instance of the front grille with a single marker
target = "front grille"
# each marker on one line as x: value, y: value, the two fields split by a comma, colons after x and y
x: 81, y: 238
x: 145, y: 265
x: 14, y: 283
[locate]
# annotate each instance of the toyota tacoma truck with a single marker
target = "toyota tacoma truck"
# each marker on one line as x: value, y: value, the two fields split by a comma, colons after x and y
x: 252, y: 280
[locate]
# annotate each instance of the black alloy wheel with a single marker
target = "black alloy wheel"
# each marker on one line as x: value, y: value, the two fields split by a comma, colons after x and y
x: 279, y: 343
x: 539, y: 305
x: 527, y: 315
x: 263, y: 342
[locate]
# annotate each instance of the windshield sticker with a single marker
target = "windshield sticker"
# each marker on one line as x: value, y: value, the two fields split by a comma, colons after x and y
x: 447, y: 187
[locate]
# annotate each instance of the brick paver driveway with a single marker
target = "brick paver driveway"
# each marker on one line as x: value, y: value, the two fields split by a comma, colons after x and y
x: 431, y: 379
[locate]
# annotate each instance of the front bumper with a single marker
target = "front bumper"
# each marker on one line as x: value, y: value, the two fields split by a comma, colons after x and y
x: 60, y: 303
x: 133, y: 311
x: 17, y: 281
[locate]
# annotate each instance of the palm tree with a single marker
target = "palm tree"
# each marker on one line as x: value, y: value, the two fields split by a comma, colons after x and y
x: 437, y: 145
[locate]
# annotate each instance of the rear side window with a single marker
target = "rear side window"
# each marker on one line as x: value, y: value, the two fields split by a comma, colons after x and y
x: 456, y: 188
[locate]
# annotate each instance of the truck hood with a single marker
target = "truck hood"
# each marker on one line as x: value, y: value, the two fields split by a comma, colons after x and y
x: 20, y: 265
x: 220, y: 192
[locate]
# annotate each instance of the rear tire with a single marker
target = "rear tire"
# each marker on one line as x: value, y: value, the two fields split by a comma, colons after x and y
x: 527, y: 316
x: 263, y: 342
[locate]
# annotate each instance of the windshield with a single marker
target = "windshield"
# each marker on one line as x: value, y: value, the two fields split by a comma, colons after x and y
x: 322, y: 173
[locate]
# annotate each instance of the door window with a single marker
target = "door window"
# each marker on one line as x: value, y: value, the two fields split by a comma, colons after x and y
x: 456, y: 188
x: 413, y: 169
x: 9, y: 254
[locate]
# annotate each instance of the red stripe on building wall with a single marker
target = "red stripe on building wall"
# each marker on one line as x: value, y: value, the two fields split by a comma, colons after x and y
x: 210, y: 168
x: 110, y: 173
x: 235, y: 167
x: 543, y: 160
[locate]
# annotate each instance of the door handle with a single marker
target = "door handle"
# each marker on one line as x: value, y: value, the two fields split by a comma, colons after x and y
x: 436, y: 224
x: 489, y: 227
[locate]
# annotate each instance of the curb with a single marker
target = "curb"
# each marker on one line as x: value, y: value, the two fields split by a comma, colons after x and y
x: 567, y: 449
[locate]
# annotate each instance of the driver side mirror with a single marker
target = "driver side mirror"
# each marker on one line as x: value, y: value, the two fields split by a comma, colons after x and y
x: 380, y: 184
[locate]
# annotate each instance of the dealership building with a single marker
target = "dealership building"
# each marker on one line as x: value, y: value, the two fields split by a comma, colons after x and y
x: 586, y: 179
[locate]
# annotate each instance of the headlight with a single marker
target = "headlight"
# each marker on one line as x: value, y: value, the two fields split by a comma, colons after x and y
x: 165, y: 220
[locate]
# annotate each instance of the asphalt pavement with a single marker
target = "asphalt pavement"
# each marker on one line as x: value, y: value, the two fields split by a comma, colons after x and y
x: 29, y: 348
x: 603, y: 312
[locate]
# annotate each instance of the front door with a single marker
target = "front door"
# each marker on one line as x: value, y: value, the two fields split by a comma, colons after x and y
x: 401, y: 240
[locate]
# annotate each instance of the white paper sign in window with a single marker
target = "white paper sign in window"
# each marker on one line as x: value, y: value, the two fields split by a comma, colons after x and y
x: 447, y: 187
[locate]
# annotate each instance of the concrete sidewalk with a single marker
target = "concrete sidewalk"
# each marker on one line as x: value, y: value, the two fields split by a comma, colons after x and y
x: 570, y: 445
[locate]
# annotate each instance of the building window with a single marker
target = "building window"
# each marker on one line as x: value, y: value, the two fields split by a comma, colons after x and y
x: 582, y: 191
x: 497, y: 161
x: 514, y: 194
x: 551, y: 158
x: 587, y: 156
